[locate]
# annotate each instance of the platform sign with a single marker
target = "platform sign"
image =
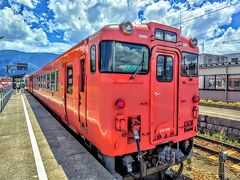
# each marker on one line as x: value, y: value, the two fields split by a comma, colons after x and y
x: 22, y: 66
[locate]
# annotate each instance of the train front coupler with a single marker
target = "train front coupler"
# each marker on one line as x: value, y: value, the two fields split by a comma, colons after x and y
x: 128, y: 160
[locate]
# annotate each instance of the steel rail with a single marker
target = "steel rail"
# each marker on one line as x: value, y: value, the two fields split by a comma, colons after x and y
x: 219, y: 143
x: 212, y: 151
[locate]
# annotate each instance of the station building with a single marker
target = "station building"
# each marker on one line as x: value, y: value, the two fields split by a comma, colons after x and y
x: 219, y: 77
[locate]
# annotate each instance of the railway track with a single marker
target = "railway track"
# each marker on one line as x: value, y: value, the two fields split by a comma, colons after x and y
x: 214, y: 147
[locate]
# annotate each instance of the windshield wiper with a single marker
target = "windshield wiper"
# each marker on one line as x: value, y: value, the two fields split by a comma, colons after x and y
x: 139, y: 68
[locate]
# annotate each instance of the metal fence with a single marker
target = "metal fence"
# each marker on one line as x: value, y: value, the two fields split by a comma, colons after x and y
x: 5, y: 94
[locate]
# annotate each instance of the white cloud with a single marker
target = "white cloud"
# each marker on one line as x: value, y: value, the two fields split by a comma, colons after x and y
x: 77, y: 19
x: 29, y: 3
x: 18, y: 33
x: 13, y: 27
x: 29, y: 17
x: 81, y: 18
x: 224, y: 44
x: 53, y: 47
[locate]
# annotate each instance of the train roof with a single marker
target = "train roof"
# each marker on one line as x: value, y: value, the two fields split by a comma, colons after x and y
x: 150, y: 26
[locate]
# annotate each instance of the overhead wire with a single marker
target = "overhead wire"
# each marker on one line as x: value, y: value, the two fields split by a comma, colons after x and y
x: 190, y: 19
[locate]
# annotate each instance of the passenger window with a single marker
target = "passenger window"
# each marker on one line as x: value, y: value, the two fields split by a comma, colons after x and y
x: 82, y: 75
x: 164, y: 68
x: 93, y: 59
x: 53, y: 81
x: 56, y: 81
x: 44, y: 81
x: 69, y: 79
x: 48, y: 81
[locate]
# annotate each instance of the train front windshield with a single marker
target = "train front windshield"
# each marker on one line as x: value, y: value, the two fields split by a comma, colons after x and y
x: 118, y: 57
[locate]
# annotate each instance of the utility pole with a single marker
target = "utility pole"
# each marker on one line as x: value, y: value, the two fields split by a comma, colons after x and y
x: 202, y: 44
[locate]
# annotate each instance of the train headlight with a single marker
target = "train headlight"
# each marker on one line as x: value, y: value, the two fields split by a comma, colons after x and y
x: 126, y: 27
x: 120, y: 104
x: 193, y: 42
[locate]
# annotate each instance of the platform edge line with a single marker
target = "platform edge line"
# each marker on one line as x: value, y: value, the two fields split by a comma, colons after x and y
x: 36, y: 153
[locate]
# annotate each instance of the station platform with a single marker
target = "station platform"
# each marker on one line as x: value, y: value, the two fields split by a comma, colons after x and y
x: 34, y: 145
x: 220, y: 113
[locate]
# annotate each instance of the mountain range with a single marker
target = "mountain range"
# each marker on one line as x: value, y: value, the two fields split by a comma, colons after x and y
x: 34, y: 61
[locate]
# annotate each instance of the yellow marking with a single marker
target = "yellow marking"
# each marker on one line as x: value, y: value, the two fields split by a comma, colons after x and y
x: 230, y: 152
x: 213, y: 157
x: 236, y: 167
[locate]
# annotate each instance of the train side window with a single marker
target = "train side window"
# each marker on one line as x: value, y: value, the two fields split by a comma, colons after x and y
x: 53, y: 81
x: 164, y: 68
x: 82, y: 75
x: 48, y: 81
x: 44, y: 81
x: 69, y: 79
x: 93, y: 59
x: 40, y: 83
x: 56, y: 81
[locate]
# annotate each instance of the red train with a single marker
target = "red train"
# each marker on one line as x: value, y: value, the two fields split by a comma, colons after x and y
x: 131, y: 91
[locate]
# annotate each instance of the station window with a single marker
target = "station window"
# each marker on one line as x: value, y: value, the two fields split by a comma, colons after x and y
x: 201, y: 82
x: 48, y: 81
x: 210, y: 82
x: 221, y: 81
x: 189, y: 64
x: 57, y: 81
x: 69, y: 79
x: 164, y: 68
x: 93, y: 59
x: 234, y: 82
x: 53, y: 81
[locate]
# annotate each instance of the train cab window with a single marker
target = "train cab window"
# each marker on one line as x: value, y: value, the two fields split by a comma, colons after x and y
x: 118, y: 57
x: 189, y: 64
x: 165, y: 35
x: 93, y: 59
x: 48, y: 81
x: 69, y: 79
x: 53, y: 81
x: 56, y: 81
x: 164, y: 68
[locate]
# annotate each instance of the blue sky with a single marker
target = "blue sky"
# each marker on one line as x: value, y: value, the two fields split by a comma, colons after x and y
x: 56, y: 25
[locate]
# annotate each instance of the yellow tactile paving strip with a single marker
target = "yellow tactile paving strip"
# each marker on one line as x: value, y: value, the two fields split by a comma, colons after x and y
x: 16, y: 156
x: 220, y: 113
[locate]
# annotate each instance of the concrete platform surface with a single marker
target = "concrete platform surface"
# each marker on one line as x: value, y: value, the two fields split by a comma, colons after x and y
x: 16, y: 153
x: 220, y: 113
x: 77, y: 162
x: 62, y: 155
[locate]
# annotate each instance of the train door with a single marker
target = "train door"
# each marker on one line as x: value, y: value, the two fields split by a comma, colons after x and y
x: 69, y: 91
x: 164, y: 70
x: 82, y: 95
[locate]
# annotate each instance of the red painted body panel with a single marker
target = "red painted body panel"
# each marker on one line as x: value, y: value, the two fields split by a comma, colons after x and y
x: 93, y: 113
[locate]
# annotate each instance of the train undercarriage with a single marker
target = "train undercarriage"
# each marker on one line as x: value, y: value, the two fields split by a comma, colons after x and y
x: 158, y: 160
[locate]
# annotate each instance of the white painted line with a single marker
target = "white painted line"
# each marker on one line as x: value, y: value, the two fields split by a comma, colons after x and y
x: 211, y: 112
x: 37, y: 156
